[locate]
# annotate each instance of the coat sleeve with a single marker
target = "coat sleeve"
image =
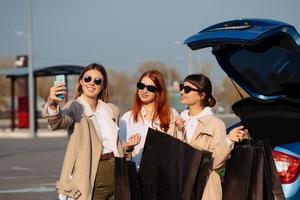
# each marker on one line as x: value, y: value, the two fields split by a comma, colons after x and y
x: 219, y: 147
x: 173, y: 130
x: 65, y: 117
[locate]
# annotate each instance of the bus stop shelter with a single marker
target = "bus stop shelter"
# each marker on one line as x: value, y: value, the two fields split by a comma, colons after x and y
x: 14, y: 73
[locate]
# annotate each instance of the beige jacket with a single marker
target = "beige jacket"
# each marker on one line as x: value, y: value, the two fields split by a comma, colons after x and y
x: 83, y: 150
x: 210, y: 135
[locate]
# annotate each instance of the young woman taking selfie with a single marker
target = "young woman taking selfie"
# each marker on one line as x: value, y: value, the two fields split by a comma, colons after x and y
x: 92, y: 124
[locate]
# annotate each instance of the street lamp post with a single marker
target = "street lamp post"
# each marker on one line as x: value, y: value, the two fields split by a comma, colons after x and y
x: 31, y: 87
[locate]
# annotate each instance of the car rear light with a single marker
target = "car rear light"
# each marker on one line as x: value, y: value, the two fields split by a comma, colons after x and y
x: 287, y: 166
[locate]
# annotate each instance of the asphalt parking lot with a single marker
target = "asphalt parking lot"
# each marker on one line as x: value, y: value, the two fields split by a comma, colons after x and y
x: 29, y: 168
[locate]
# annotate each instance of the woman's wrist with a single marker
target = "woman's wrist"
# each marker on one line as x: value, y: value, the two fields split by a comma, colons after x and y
x: 52, y: 105
x: 229, y: 142
x: 52, y: 108
x: 129, y: 149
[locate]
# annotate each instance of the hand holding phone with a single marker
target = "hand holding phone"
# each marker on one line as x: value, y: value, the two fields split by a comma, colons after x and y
x: 58, y: 79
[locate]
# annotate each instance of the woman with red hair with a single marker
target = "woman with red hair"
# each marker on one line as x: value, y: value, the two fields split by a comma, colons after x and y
x: 150, y: 110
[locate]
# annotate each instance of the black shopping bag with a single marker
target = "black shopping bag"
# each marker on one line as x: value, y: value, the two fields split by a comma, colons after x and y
x: 239, y: 172
x: 273, y: 186
x: 202, y: 175
x: 251, y: 169
x: 126, y: 180
x: 171, y: 169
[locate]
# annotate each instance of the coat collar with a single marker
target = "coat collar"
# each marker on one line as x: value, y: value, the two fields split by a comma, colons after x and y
x: 205, y: 112
x: 202, y: 127
x: 87, y: 108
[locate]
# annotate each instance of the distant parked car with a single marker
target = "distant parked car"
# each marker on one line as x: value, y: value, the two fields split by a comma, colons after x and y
x: 263, y: 57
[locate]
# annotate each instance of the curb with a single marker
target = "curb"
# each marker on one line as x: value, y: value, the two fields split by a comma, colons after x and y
x: 24, y: 134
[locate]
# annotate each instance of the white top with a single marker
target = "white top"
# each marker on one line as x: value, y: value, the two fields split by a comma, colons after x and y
x: 108, y: 128
x: 128, y: 128
x: 104, y: 122
x: 191, y: 122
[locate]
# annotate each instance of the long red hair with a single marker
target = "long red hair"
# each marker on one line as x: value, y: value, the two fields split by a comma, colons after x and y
x: 162, y: 109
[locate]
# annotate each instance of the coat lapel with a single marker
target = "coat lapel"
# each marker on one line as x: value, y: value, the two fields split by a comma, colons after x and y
x: 96, y: 127
x: 202, y: 127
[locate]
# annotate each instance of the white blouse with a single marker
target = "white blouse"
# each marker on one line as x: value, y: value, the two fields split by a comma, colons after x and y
x: 128, y: 128
x: 191, y: 122
x: 108, y: 133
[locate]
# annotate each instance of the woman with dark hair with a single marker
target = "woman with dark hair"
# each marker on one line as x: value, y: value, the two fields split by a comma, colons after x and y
x: 200, y: 128
x: 150, y: 109
x: 92, y: 123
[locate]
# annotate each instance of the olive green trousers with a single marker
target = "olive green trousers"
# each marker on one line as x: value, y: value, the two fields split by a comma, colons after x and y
x: 105, y: 180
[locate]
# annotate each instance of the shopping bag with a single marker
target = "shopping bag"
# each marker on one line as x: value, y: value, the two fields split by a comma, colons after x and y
x: 170, y: 168
x: 238, y: 173
x: 272, y: 181
x: 252, y: 170
x: 126, y: 180
x: 202, y: 175
x: 256, y: 184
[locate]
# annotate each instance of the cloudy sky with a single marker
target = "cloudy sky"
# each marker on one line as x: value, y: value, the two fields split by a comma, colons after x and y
x: 123, y: 34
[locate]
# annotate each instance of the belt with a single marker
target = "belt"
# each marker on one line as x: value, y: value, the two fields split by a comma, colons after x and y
x: 107, y: 156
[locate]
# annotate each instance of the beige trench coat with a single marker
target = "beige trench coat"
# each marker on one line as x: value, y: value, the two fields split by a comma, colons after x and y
x: 83, y: 150
x: 210, y: 135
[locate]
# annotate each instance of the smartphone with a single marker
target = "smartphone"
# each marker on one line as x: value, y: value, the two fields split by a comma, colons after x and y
x: 59, y: 79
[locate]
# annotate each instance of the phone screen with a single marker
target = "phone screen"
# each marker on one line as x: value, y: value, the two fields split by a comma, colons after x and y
x: 59, y: 79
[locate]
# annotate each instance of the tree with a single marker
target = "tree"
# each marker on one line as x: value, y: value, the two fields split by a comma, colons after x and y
x: 227, y: 94
x: 205, y: 69
x: 5, y: 62
x: 4, y: 93
x: 121, y: 89
x: 43, y: 86
x: 170, y: 74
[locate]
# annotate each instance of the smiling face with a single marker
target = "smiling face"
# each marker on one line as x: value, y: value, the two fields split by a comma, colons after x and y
x: 145, y: 96
x: 90, y: 83
x: 192, y: 97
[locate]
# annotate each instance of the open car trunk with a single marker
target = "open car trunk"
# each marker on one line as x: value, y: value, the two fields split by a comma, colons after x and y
x: 263, y: 58
x: 278, y: 120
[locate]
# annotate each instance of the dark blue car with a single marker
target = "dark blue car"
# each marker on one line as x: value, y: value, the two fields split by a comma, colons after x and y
x: 263, y: 57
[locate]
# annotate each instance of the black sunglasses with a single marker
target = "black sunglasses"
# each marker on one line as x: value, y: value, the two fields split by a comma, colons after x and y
x: 150, y: 88
x: 186, y: 88
x: 88, y: 79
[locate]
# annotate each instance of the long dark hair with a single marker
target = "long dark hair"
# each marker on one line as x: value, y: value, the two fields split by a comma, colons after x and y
x: 103, y: 95
x: 203, y: 84
x: 162, y: 109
